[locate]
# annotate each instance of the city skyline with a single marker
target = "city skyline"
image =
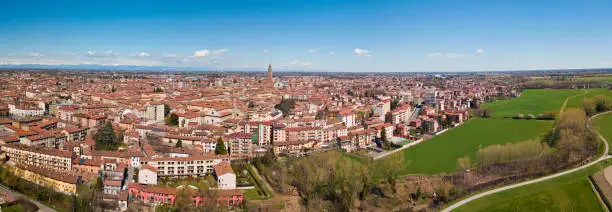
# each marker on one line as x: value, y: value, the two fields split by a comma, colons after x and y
x: 387, y: 36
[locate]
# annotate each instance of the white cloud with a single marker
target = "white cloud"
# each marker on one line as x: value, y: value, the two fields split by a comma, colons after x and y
x: 265, y: 51
x: 111, y: 53
x: 453, y: 55
x: 170, y: 55
x: 219, y: 51
x: 312, y: 50
x: 437, y: 54
x: 332, y: 53
x: 446, y: 55
x: 144, y: 54
x: 299, y: 63
x: 479, y: 51
x: 36, y: 54
x: 102, y: 54
x: 361, y: 52
x: 202, y: 53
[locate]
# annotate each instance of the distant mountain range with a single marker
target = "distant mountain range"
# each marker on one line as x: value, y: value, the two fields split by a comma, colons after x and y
x: 94, y: 67
x: 118, y: 67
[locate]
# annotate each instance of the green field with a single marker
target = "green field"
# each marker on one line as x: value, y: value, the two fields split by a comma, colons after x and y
x: 604, y: 125
x: 570, y: 192
x: 575, y: 101
x: 532, y: 101
x: 599, y: 79
x: 441, y: 152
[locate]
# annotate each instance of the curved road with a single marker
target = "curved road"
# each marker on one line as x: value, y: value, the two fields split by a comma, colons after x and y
x: 483, y: 194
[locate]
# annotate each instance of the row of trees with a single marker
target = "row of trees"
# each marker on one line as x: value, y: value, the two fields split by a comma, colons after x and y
x: 510, y: 152
x: 330, y: 181
x: 574, y: 140
x: 547, y: 115
x: 482, y: 113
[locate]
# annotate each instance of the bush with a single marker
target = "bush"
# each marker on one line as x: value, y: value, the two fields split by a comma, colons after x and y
x: 518, y: 116
x: 548, y: 115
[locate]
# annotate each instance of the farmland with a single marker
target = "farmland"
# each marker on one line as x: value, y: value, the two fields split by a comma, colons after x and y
x: 575, y: 101
x: 532, y: 101
x: 598, y: 79
x: 570, y: 192
x: 604, y: 125
x: 441, y: 152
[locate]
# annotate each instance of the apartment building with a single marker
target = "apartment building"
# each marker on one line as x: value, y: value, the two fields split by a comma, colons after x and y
x: 401, y: 114
x: 23, y: 111
x: 241, y: 145
x: 155, y: 112
x: 197, y: 165
x: 304, y: 133
x: 37, y: 156
x: 63, y: 182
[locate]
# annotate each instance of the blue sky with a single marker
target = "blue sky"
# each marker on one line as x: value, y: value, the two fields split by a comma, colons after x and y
x: 315, y: 35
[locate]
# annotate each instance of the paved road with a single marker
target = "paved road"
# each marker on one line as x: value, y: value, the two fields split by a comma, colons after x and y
x: 15, y: 194
x: 480, y: 195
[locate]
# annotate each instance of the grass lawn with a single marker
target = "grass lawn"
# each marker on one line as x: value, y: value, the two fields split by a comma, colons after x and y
x: 604, y: 125
x: 440, y: 153
x: 570, y: 192
x: 13, y: 208
x: 532, y: 101
x: 599, y: 79
x: 575, y: 101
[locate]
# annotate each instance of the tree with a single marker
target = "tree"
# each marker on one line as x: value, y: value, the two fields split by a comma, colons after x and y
x: 99, y: 184
x: 482, y: 113
x: 105, y: 138
x: 603, y: 103
x: 589, y: 106
x: 464, y: 163
x: 251, y: 105
x: 220, y: 147
x: 383, y: 137
x: 391, y: 167
x: 285, y: 106
x: 394, y: 103
x: 166, y: 110
x: 183, y: 201
x: 209, y: 197
x: 179, y: 143
x: 172, y: 119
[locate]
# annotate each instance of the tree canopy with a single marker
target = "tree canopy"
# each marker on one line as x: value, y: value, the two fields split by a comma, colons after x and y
x: 220, y: 148
x: 172, y: 119
x: 106, y: 139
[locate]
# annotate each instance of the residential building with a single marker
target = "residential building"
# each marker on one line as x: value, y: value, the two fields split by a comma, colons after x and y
x: 37, y: 156
x: 241, y: 145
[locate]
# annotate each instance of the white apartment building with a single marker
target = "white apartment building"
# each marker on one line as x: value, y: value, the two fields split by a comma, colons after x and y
x: 155, y: 112
x: 194, y: 166
x: 20, y: 111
